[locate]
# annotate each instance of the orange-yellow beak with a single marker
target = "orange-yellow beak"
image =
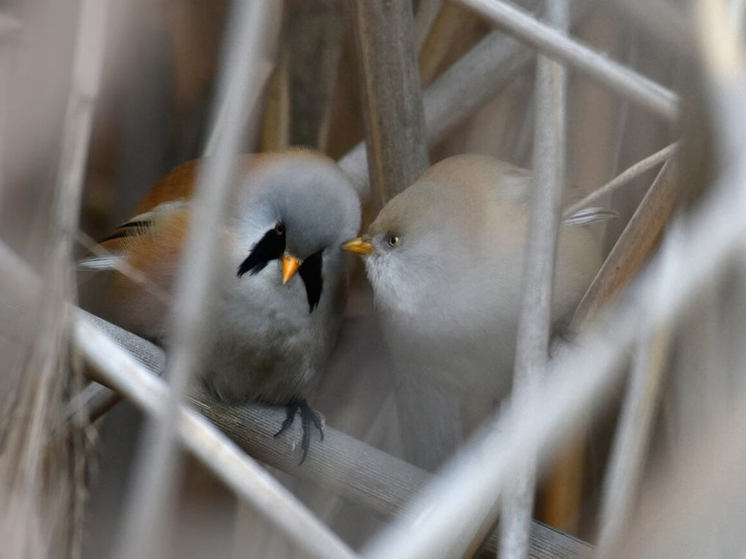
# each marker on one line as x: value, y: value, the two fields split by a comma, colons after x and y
x: 290, y: 265
x: 358, y: 245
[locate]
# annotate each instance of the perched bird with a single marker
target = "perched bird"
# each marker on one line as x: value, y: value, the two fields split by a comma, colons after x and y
x: 445, y: 261
x: 279, y: 296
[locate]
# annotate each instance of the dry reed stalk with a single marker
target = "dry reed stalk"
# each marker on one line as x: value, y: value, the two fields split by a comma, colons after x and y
x: 634, y: 431
x: 43, y: 464
x: 392, y: 96
x: 556, y: 45
x: 357, y: 472
x: 633, y: 248
x: 532, y: 345
x: 721, y: 46
x: 314, y: 39
x: 397, y: 156
x: 246, y: 67
x: 697, y: 508
x: 564, y: 485
x: 249, y: 480
x: 460, y: 91
x: 630, y: 174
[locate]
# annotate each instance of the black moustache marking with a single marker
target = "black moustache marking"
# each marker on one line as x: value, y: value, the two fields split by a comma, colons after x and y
x: 310, y: 273
x: 269, y: 247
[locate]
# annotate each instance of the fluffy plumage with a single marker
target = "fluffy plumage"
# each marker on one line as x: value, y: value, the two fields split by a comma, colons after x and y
x: 445, y: 260
x: 452, y: 285
x: 267, y: 339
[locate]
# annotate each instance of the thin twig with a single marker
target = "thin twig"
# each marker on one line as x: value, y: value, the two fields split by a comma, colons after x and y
x: 628, y: 175
x: 630, y: 444
x: 556, y: 45
x: 633, y: 247
x: 536, y: 299
x: 240, y: 84
x: 249, y: 480
x: 96, y: 399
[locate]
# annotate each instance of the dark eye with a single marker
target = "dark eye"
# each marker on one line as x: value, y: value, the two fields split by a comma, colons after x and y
x: 280, y: 228
x: 393, y: 240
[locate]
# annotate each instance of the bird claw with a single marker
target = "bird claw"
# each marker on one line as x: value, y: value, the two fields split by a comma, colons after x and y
x: 307, y: 416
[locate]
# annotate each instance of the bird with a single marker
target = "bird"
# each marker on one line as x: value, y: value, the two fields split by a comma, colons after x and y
x: 279, y: 292
x: 445, y: 260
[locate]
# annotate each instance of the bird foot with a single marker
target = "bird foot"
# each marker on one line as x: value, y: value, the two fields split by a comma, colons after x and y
x: 307, y: 416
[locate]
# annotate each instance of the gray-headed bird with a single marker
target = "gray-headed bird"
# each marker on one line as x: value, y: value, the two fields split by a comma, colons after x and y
x: 279, y: 297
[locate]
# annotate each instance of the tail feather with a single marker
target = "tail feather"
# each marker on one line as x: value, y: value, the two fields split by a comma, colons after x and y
x: 593, y: 214
x: 100, y: 263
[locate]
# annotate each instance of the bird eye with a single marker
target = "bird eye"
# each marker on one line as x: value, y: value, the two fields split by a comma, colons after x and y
x: 280, y: 228
x: 393, y: 241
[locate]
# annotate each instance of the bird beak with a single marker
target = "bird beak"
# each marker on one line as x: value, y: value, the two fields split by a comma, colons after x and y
x: 290, y: 265
x: 358, y: 245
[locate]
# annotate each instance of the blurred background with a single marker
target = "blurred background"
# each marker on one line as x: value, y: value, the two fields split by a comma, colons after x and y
x: 160, y: 65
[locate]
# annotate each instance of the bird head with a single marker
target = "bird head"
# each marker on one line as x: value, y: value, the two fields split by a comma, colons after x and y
x: 295, y: 210
x: 416, y: 244
x: 441, y: 235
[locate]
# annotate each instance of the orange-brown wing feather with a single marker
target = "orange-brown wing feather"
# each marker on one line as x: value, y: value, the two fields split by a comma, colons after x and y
x: 142, y: 301
x: 177, y: 185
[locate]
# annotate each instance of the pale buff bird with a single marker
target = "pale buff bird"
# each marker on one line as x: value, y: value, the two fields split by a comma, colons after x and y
x: 445, y: 260
x: 271, y: 328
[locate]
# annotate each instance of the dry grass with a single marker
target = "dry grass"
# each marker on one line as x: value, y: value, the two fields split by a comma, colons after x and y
x: 79, y: 146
